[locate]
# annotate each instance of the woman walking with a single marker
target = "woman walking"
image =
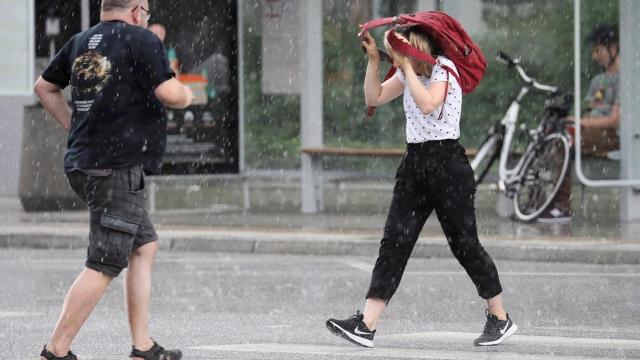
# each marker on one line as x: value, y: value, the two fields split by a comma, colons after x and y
x: 434, y: 175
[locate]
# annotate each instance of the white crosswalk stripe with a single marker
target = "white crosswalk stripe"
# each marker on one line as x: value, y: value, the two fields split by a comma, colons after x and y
x: 351, y: 352
x: 527, y: 340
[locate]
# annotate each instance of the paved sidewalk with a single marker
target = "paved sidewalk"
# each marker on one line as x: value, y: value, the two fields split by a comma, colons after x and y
x: 221, y: 230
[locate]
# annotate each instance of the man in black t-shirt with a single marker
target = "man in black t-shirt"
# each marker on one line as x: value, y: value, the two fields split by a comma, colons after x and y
x: 120, y: 79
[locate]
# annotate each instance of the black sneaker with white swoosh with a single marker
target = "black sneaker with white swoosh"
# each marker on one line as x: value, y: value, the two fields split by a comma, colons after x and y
x: 495, y: 330
x: 352, y: 329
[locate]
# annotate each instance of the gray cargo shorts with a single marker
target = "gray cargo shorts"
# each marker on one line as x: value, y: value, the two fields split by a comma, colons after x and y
x: 119, y: 223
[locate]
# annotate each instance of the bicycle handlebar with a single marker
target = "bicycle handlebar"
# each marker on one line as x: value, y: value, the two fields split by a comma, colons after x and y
x: 506, y: 59
x: 510, y: 62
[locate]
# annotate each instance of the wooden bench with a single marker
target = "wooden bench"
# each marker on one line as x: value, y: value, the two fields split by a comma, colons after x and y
x: 314, y: 183
x: 593, y: 163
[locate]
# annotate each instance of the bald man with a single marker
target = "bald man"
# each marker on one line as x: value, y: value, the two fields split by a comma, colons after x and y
x: 120, y: 78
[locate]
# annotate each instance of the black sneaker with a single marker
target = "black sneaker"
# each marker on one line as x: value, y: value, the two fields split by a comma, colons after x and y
x: 495, y: 331
x: 352, y: 329
x: 49, y: 356
x: 156, y: 352
x: 555, y: 215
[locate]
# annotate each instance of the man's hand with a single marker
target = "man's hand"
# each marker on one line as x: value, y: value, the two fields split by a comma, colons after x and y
x: 189, y: 94
x: 173, y: 94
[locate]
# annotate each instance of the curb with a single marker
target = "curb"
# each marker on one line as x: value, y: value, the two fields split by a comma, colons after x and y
x: 262, y: 242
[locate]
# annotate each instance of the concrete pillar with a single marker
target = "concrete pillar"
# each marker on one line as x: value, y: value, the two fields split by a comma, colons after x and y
x: 85, y: 14
x: 467, y: 12
x: 428, y: 5
x: 17, y: 36
x: 11, y: 113
x: 43, y: 184
x: 630, y: 107
x: 311, y: 75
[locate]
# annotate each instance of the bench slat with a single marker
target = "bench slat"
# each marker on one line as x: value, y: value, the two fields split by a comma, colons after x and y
x: 370, y: 152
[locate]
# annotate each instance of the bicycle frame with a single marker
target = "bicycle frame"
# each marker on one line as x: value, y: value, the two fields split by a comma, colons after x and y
x: 509, y: 121
x: 527, y: 171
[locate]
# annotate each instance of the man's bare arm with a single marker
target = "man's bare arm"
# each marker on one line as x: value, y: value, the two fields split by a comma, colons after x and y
x: 51, y: 97
x: 174, y: 94
x: 610, y: 121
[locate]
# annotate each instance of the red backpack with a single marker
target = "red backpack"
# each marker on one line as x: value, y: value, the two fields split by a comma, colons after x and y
x: 451, y: 38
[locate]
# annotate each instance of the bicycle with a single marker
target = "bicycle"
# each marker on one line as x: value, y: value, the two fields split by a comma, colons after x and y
x: 532, y: 179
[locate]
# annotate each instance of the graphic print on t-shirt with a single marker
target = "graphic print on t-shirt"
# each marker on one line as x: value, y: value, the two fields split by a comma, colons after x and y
x: 89, y: 75
x: 603, y: 99
x: 602, y: 95
x: 94, y: 41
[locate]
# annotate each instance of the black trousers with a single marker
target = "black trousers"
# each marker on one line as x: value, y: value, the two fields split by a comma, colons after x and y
x: 433, y: 175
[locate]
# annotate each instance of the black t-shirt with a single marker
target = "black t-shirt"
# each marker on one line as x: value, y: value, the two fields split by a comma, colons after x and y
x: 117, y: 120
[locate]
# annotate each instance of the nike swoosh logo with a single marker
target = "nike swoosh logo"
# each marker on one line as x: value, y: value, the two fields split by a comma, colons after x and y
x: 360, y: 332
x: 501, y: 330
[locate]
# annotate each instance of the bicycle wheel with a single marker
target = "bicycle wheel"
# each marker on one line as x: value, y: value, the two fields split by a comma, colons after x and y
x: 487, y: 154
x: 542, y: 175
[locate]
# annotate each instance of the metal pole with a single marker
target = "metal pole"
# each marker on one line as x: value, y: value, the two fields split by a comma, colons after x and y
x: 241, y: 88
x: 31, y: 60
x: 311, y: 69
x: 629, y: 106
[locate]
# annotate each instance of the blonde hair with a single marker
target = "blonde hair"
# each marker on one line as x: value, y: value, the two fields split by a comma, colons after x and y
x: 421, y: 41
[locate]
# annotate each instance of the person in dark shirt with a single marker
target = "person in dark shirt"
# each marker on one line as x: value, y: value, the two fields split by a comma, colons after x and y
x: 120, y: 79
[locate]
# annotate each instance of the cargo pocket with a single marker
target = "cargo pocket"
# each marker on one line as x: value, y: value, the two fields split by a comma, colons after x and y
x: 136, y: 180
x: 114, y: 242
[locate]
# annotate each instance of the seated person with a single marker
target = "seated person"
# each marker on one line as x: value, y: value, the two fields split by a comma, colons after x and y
x: 599, y: 126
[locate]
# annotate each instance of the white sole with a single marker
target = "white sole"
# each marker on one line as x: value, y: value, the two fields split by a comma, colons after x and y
x: 359, y: 340
x: 561, y: 220
x: 512, y: 330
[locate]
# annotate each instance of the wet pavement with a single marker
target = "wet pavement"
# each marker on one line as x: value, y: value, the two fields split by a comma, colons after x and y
x: 253, y: 306
x: 258, y: 284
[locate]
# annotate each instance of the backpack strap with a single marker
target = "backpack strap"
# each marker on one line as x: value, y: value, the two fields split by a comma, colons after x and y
x: 379, y: 22
x: 444, y: 101
x: 453, y: 73
x: 409, y: 50
x: 446, y: 90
